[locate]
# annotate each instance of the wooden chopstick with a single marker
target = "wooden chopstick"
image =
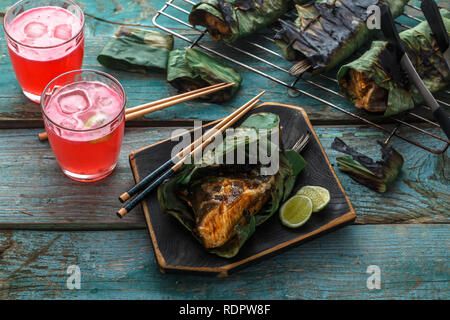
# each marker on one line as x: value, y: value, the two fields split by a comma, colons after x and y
x: 181, y: 95
x: 143, y: 109
x: 135, y: 201
x: 175, y: 100
x: 224, y: 124
x: 183, y: 153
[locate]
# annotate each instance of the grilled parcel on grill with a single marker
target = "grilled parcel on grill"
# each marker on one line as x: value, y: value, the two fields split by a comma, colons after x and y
x: 375, y: 82
x: 190, y: 69
x: 136, y: 50
x: 229, y: 20
x: 327, y: 32
x: 222, y: 204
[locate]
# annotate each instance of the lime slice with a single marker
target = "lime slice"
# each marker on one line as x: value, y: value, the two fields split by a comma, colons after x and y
x: 96, y: 120
x: 296, y: 211
x: 319, y: 196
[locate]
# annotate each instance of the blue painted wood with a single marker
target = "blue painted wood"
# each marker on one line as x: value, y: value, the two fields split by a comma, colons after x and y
x: 414, y: 264
x: 32, y: 183
x: 120, y: 264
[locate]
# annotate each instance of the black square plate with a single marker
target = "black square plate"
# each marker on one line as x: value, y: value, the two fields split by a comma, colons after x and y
x: 177, y: 250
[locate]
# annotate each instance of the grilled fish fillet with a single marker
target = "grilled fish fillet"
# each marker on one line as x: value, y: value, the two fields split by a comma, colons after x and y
x: 220, y: 203
x: 368, y: 94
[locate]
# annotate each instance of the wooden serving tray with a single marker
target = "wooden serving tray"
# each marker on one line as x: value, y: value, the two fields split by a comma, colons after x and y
x: 177, y: 250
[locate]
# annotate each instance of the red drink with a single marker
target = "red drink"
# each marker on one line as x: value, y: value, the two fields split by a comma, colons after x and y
x: 84, y: 120
x: 43, y: 42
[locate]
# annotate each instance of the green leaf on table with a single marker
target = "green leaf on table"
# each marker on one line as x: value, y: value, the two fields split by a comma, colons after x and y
x: 136, y: 50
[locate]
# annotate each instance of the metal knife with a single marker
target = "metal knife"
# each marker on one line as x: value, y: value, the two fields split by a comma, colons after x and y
x: 431, y: 12
x: 390, y: 32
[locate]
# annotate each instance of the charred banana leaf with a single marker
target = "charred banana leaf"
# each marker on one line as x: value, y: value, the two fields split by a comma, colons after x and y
x: 327, y: 32
x: 136, y: 50
x: 222, y: 204
x: 230, y: 20
x: 190, y: 69
x: 375, y: 82
x: 377, y: 176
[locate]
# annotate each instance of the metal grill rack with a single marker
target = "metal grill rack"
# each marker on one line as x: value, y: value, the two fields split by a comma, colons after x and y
x: 261, y: 49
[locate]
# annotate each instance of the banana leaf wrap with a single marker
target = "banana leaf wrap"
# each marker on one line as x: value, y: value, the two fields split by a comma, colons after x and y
x: 229, y: 20
x: 379, y: 175
x: 136, y: 50
x: 327, y: 32
x: 190, y: 69
x: 377, y: 83
x: 290, y: 165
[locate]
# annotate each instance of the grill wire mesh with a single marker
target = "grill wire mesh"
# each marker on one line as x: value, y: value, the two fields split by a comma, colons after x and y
x: 260, y: 56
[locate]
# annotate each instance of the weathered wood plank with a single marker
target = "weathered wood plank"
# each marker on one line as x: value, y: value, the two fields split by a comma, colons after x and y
x: 17, y: 111
x: 413, y: 260
x: 32, y: 183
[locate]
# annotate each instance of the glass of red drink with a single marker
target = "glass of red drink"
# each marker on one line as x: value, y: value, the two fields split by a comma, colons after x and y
x: 84, y: 117
x: 45, y: 39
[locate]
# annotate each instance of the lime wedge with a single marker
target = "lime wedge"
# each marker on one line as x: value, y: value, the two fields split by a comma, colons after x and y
x: 96, y: 120
x: 296, y: 211
x: 319, y: 196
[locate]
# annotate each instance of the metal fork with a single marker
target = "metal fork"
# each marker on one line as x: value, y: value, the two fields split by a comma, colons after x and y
x: 301, y: 142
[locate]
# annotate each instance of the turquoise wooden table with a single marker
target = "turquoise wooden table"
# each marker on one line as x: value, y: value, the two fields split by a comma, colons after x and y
x: 49, y: 223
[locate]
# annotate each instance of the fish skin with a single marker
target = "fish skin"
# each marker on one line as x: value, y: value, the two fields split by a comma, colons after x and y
x: 221, y: 203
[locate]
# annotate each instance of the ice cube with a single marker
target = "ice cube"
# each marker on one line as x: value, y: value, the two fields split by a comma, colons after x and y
x: 63, y: 31
x: 74, y: 101
x: 69, y: 123
x: 84, y: 117
x: 35, y: 30
x: 104, y: 101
